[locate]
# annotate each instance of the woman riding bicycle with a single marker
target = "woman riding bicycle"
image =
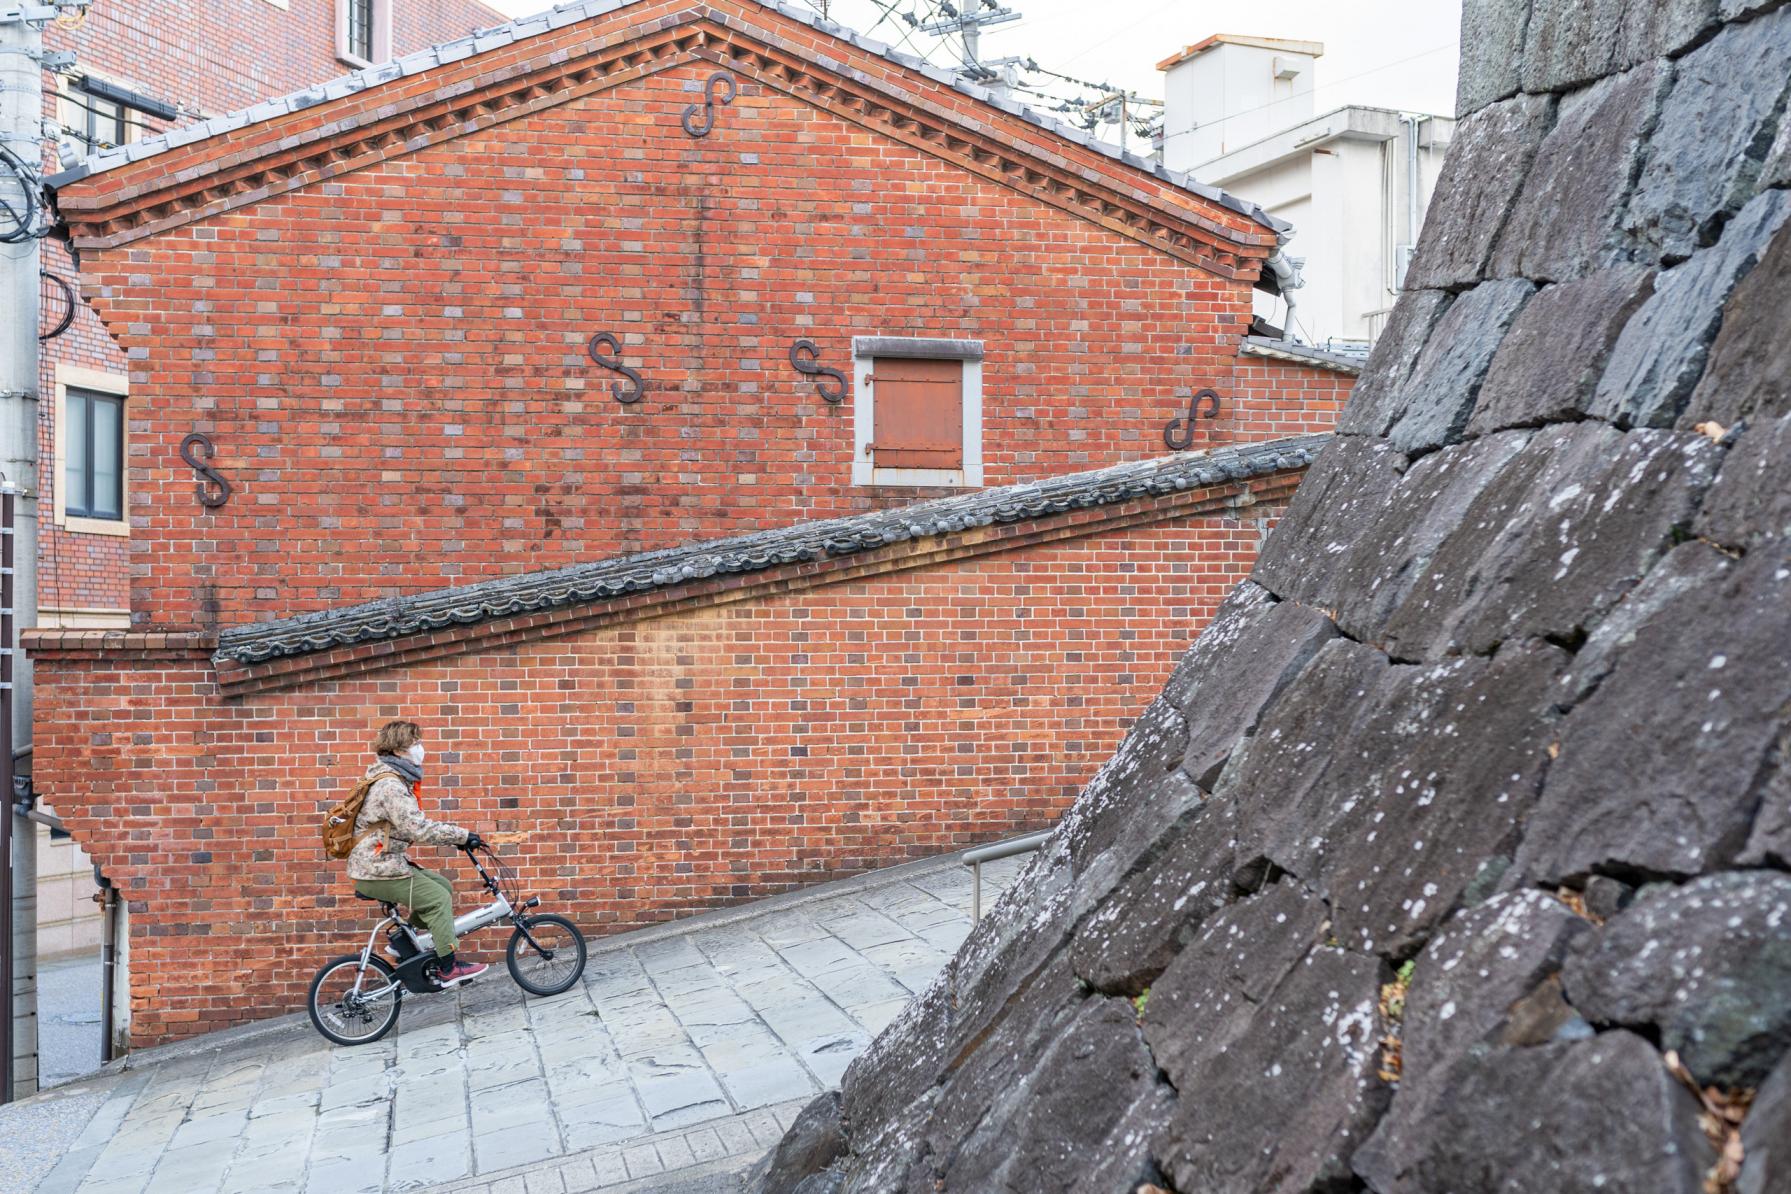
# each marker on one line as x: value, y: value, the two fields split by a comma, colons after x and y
x: 390, y: 821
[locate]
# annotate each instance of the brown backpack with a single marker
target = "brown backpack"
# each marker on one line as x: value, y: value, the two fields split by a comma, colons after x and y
x: 339, y: 837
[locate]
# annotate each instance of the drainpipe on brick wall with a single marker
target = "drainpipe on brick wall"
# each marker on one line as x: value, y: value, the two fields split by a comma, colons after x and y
x: 21, y: 133
x: 108, y: 902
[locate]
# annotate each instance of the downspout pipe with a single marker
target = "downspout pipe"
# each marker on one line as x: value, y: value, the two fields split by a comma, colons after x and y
x: 1412, y: 218
x: 1287, y: 279
x: 108, y: 897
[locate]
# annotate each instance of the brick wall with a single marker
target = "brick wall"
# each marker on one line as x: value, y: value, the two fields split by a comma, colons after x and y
x: 1281, y: 398
x: 661, y: 767
x: 392, y: 363
x: 206, y: 59
x: 81, y: 576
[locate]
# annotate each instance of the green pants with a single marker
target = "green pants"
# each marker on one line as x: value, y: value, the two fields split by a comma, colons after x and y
x: 428, y: 895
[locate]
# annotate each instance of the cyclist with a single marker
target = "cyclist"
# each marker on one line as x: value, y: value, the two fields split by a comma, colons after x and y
x: 392, y: 820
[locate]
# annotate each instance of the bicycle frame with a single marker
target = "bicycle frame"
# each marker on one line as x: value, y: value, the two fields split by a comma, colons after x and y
x: 465, y: 924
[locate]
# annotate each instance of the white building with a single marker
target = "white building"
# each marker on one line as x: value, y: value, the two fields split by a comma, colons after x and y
x: 1354, y: 182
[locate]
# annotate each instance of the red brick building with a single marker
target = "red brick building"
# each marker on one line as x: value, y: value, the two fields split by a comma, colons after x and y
x: 506, y: 357
x: 142, y: 68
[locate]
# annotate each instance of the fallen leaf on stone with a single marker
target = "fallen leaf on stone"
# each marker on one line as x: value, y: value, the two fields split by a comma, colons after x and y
x: 1721, y: 1118
x: 1392, y: 1009
x: 1576, y: 904
x: 1392, y: 1060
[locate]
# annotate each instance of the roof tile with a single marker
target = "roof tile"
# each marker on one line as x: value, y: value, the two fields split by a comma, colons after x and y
x: 815, y: 540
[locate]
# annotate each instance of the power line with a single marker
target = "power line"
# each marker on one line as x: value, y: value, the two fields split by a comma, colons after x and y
x: 1117, y: 34
x: 968, y: 23
x: 943, y: 18
x: 908, y: 34
x: 1032, y: 65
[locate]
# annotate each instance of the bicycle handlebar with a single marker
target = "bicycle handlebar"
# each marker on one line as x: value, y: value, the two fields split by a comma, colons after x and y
x: 500, y: 838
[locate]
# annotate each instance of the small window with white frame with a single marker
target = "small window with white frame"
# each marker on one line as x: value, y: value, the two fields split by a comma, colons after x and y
x: 917, y: 411
x: 91, y: 439
x: 363, y: 31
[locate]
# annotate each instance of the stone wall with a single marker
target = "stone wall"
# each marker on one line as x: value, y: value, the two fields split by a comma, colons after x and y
x: 1454, y: 854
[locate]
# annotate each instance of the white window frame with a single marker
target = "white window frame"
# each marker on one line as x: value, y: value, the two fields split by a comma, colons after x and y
x: 969, y: 354
x: 382, y: 34
x: 118, y: 385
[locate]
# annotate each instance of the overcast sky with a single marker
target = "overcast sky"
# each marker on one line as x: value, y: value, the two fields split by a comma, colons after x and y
x: 1388, y: 53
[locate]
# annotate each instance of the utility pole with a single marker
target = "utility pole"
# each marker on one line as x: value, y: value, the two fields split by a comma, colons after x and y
x: 22, y: 222
x: 968, y: 24
x: 1102, y: 111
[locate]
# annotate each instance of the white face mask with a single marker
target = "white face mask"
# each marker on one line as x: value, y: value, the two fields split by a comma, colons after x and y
x: 415, y: 753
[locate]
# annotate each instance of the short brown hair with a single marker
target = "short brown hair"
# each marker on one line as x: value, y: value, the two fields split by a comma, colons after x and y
x: 396, y: 737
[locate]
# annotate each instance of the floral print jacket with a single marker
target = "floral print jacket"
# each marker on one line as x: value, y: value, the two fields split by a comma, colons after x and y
x: 392, y: 820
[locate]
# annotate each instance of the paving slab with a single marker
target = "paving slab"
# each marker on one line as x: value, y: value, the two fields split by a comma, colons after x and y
x: 676, y: 1062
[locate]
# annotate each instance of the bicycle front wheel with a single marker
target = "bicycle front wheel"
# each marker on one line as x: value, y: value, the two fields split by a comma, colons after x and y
x: 339, y: 1008
x: 555, y: 959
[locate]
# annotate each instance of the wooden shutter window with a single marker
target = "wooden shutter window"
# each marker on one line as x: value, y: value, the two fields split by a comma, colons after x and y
x: 917, y: 411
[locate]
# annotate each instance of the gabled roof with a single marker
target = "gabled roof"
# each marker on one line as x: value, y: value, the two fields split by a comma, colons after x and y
x: 462, y: 86
x: 806, y: 541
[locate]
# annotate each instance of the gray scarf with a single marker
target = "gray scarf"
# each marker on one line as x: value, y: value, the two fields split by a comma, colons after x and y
x: 407, y: 770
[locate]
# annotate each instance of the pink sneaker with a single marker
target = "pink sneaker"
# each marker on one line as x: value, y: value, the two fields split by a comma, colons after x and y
x: 460, y: 972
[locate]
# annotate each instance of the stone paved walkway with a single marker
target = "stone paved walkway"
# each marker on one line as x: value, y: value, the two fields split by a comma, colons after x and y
x: 685, y: 1050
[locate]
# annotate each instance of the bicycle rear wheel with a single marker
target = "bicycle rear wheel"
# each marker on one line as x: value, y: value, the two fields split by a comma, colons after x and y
x: 341, y: 1013
x: 554, y: 962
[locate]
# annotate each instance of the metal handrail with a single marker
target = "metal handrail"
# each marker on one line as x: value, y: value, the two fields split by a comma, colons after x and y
x: 974, y: 859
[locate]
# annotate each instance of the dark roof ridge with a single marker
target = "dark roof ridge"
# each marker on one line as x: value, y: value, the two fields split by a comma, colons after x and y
x: 598, y: 580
